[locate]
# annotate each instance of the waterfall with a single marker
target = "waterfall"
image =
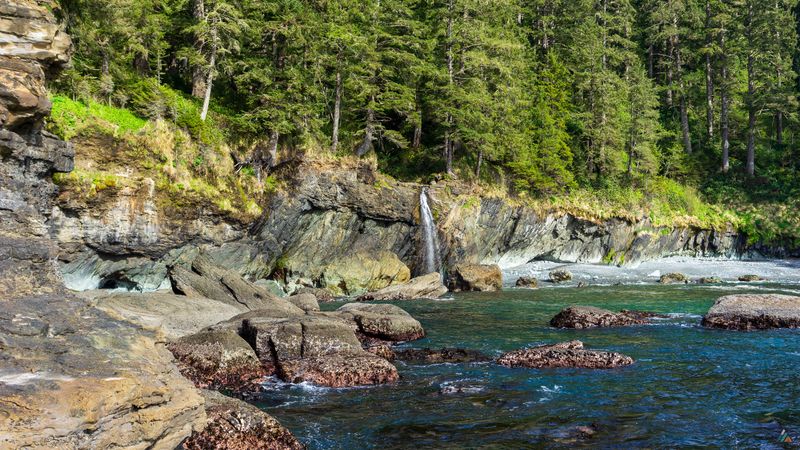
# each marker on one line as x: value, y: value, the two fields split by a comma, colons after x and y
x: 431, y: 260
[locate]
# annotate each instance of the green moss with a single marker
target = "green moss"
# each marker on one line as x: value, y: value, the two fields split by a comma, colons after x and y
x: 69, y: 117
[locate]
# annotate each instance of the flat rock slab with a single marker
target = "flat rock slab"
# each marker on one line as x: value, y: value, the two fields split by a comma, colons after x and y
x: 174, y: 315
x: 236, y: 425
x: 580, y: 317
x: 565, y: 354
x: 71, y: 376
x: 754, y: 312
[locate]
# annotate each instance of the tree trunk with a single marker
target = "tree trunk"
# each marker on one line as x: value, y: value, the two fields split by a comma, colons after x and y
x: 751, y: 92
x: 273, y: 150
x: 687, y: 137
x: 448, y: 143
x: 209, y: 82
x: 669, y: 72
x: 709, y: 77
x: 724, y: 107
x: 198, y: 72
x: 337, y: 111
x: 650, y: 58
x: 478, y: 168
x: 369, y: 134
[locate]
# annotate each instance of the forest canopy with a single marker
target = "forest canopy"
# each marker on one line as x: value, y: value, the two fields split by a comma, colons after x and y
x: 539, y: 96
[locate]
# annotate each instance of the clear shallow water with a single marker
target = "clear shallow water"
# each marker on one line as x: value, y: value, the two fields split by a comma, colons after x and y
x: 689, y: 387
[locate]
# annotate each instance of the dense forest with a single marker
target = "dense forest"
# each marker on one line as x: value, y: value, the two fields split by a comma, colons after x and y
x: 540, y: 97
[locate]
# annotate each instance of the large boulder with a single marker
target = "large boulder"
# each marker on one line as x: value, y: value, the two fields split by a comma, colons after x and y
x: 754, y: 312
x: 235, y: 425
x: 425, y: 286
x: 590, y: 317
x: 306, y: 302
x: 219, y: 360
x: 385, y: 322
x: 320, y: 349
x: 560, y: 276
x: 71, y: 376
x: 206, y: 279
x: 673, y: 278
x: 476, y: 277
x: 174, y: 315
x: 565, y: 354
x: 361, y: 272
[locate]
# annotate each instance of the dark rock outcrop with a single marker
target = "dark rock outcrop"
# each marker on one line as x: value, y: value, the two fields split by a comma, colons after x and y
x: 438, y: 356
x: 426, y: 286
x: 590, y: 317
x: 235, y: 425
x: 560, y: 276
x: 565, y: 354
x: 709, y: 280
x: 527, y: 282
x: 754, y: 312
x: 673, y: 278
x: 475, y: 277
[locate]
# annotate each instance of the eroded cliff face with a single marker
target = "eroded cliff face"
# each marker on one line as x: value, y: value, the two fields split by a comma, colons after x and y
x: 71, y: 376
x: 348, y: 228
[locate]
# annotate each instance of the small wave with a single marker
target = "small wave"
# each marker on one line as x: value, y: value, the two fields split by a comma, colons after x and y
x: 551, y: 390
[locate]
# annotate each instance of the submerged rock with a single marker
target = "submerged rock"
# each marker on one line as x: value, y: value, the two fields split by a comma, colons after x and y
x: 235, y: 425
x: 750, y: 278
x: 673, y: 278
x: 476, y: 277
x: 754, y: 312
x: 560, y: 276
x: 426, y: 286
x: 438, y: 356
x: 219, y: 360
x: 565, y: 354
x: 527, y: 282
x: 590, y: 317
x: 386, y: 322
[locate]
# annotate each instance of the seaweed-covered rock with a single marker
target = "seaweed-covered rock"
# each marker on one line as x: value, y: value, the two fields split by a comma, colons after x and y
x: 235, y: 425
x: 218, y: 360
x: 750, y: 278
x: 591, y: 317
x: 438, y: 356
x: 565, y: 354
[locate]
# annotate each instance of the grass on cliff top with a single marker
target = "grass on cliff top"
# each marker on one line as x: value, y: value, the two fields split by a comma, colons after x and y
x: 189, y: 166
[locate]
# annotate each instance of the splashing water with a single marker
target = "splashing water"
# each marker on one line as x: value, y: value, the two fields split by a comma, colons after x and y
x: 430, y: 240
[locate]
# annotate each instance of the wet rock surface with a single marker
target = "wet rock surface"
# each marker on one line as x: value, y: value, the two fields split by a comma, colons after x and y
x: 475, y: 277
x: 426, y: 286
x: 754, y: 312
x: 709, y: 280
x: 562, y: 355
x: 750, y: 278
x: 442, y: 355
x: 235, y: 425
x: 580, y: 317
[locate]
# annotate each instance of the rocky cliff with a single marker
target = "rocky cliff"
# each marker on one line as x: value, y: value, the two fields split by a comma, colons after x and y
x: 71, y: 376
x: 346, y: 227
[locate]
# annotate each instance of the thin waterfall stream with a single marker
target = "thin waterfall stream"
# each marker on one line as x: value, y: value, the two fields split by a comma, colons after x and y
x: 431, y: 260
